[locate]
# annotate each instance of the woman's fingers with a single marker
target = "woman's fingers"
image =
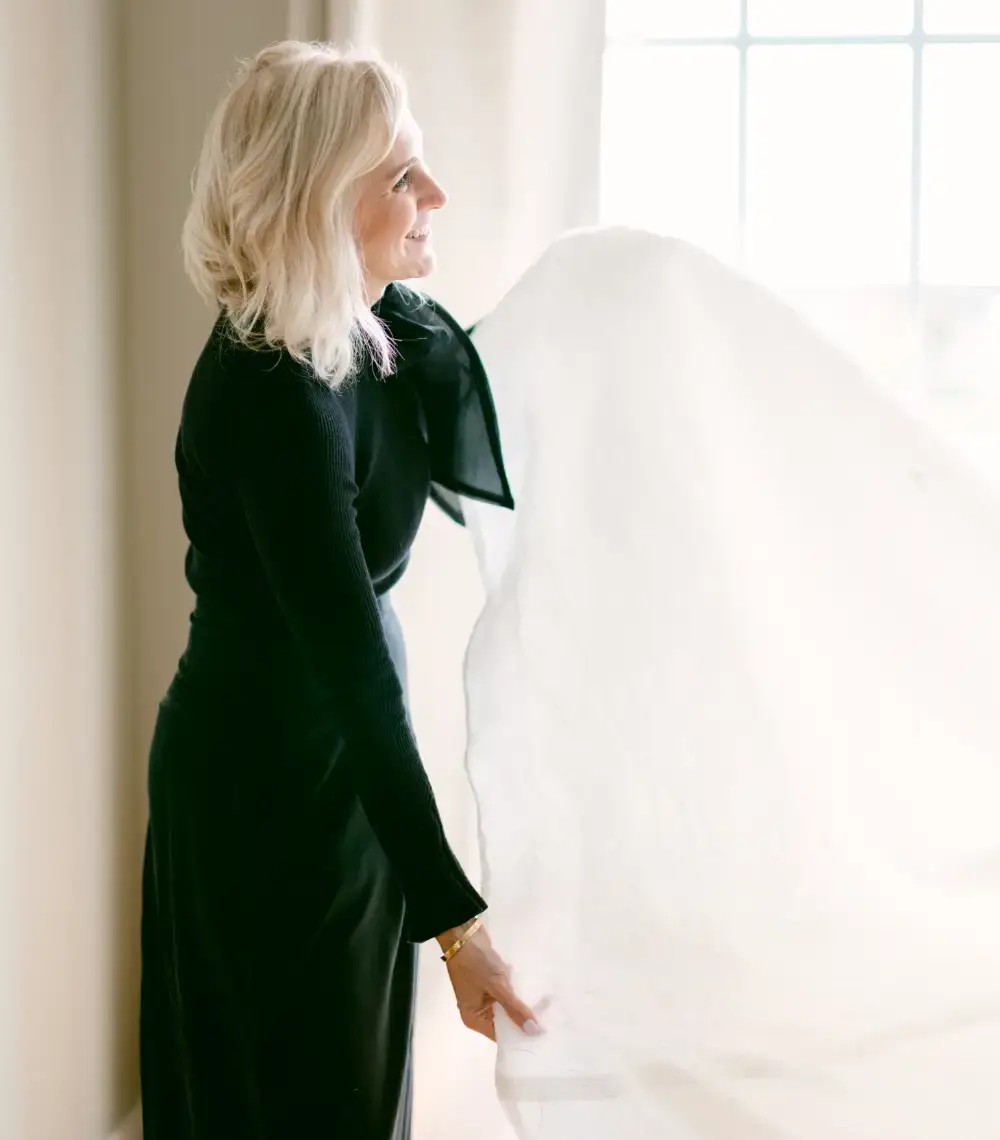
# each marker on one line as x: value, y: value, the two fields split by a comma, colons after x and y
x: 481, y: 1021
x: 518, y: 1011
x: 481, y: 979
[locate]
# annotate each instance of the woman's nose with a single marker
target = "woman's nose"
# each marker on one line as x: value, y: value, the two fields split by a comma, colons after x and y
x: 434, y: 197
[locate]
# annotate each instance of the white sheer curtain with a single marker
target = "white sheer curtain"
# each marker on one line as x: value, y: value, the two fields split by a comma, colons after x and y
x: 732, y: 721
x: 509, y: 99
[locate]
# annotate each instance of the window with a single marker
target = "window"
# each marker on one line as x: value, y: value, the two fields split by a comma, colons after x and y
x: 818, y: 142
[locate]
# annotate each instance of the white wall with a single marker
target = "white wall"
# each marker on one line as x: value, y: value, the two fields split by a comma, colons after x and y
x: 101, y: 109
x: 59, y: 712
x: 178, y: 57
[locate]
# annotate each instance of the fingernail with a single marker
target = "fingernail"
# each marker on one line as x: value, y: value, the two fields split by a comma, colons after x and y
x: 533, y: 1029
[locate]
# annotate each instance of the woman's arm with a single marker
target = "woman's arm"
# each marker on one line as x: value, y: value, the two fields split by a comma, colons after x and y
x: 294, y: 470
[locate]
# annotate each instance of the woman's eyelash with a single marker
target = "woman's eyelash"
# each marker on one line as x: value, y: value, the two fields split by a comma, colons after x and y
x: 404, y: 181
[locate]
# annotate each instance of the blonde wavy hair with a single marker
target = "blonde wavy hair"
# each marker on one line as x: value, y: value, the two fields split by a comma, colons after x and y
x: 269, y: 235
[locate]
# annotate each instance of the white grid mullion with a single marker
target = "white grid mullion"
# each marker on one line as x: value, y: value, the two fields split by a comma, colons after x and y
x: 916, y: 170
x: 744, y: 38
x: 918, y: 39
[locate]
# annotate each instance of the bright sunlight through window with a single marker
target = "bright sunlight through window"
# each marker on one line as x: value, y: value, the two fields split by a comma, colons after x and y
x: 818, y: 142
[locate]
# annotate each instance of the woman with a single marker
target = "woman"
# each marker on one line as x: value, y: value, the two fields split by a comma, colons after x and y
x: 295, y: 855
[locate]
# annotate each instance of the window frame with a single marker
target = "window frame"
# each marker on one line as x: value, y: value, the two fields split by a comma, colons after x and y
x: 917, y: 39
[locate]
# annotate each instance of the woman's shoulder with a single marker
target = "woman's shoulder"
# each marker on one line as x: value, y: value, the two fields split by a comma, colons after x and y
x: 268, y: 370
x: 261, y: 390
x: 249, y: 358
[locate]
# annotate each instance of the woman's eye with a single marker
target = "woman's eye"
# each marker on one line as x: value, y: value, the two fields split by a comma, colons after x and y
x: 403, y: 182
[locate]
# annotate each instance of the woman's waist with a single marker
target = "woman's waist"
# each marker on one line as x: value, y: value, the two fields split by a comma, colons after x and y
x: 253, y: 652
x: 233, y: 650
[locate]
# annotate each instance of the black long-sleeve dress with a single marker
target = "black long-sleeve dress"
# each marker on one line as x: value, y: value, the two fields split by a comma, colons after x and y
x: 295, y: 854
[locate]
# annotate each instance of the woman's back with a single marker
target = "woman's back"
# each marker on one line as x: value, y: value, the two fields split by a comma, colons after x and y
x: 249, y: 417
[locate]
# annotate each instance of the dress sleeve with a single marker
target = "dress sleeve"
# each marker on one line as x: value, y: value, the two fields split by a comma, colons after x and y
x: 294, y: 471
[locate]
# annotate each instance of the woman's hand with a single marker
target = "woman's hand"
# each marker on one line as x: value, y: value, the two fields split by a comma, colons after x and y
x: 481, y: 978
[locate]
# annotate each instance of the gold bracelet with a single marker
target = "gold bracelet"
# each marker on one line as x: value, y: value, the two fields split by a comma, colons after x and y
x: 453, y: 950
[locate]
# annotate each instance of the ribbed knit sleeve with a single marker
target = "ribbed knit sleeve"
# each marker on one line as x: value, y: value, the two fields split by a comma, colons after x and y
x: 294, y: 470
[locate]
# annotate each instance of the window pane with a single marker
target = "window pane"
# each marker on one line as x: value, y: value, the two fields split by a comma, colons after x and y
x: 652, y: 18
x: 961, y: 176
x: 830, y: 17
x: 962, y: 17
x: 669, y: 152
x: 828, y: 164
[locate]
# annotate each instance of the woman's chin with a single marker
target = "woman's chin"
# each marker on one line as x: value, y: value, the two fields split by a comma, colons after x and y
x: 420, y: 264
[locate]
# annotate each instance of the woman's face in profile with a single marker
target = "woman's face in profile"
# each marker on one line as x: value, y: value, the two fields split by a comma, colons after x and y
x: 394, y: 214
